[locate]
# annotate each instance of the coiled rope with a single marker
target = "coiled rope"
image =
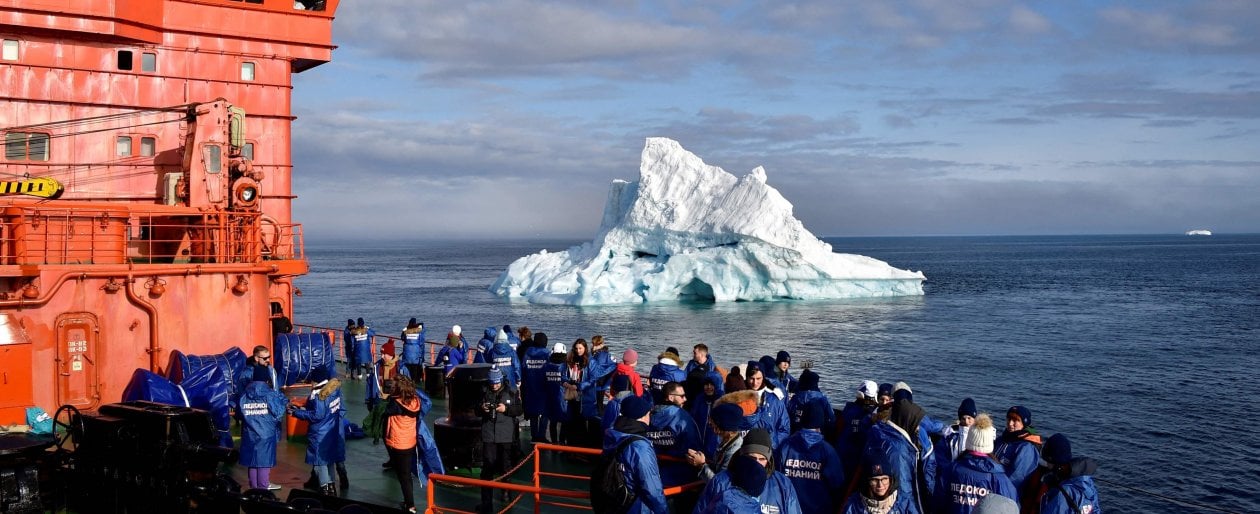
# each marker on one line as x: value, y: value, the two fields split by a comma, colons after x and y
x: 1166, y: 498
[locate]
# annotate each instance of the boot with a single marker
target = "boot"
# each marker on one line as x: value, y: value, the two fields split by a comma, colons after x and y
x: 312, y: 483
x: 344, y: 478
x: 329, y: 489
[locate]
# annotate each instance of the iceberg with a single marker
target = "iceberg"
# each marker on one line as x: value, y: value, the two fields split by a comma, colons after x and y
x: 693, y: 232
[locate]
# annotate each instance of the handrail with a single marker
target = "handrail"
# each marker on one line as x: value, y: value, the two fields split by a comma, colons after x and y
x: 335, y: 335
x: 536, y: 488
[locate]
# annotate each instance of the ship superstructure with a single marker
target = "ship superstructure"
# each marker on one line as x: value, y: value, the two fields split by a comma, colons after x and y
x: 145, y: 189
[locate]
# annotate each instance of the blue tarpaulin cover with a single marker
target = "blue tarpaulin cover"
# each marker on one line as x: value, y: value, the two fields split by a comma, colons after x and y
x: 203, y: 388
x: 231, y: 364
x: 303, y: 357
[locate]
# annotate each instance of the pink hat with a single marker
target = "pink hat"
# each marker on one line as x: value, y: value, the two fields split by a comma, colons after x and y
x: 630, y: 357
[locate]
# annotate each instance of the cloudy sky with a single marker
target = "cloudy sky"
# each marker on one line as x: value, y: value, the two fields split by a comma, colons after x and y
x: 440, y: 119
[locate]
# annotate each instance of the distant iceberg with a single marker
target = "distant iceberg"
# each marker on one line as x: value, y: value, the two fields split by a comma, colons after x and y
x: 690, y: 231
x: 1199, y: 232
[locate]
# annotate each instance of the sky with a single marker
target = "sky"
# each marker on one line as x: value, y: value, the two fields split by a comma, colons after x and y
x: 509, y: 119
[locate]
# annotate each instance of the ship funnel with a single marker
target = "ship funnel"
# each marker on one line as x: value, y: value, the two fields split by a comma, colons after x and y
x: 11, y: 332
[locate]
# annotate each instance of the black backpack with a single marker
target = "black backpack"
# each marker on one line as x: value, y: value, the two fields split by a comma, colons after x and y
x: 609, y: 492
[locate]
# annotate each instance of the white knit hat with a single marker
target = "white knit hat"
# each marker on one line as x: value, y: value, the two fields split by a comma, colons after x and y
x: 980, y: 437
x: 559, y: 348
x: 456, y: 330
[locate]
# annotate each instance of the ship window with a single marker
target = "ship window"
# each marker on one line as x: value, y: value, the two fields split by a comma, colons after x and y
x: 10, y: 52
x: 148, y: 146
x: 124, y: 146
x: 247, y: 71
x: 26, y: 146
x: 309, y: 5
x: 148, y: 62
x: 213, y: 157
x: 247, y: 151
x: 124, y: 59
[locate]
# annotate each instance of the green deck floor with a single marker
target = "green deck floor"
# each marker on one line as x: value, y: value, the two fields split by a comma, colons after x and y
x: 369, y: 484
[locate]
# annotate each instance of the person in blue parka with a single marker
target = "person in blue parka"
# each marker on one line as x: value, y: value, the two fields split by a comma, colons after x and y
x: 347, y: 346
x: 594, y: 385
x: 811, y: 464
x: 699, y: 410
x: 666, y: 370
x: 534, y: 383
x: 975, y: 474
x: 778, y: 495
x: 748, y: 480
x: 620, y: 390
x: 451, y: 355
x: 894, y: 443
x: 261, y: 408
x: 877, y: 493
x: 1069, y: 481
x: 806, y: 393
x: 673, y: 432
x: 771, y: 412
x: 362, y: 338
x: 413, y: 339
x: 856, y: 419
x: 504, y: 357
x: 700, y: 358
x: 481, y: 352
x: 780, y: 375
x: 636, y: 456
x: 1019, y: 448
x: 326, y: 439
x: 555, y: 408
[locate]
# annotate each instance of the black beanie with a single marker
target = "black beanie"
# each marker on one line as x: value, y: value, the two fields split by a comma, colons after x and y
x: 757, y: 441
x: 540, y: 340
x: 967, y: 408
x: 783, y: 357
x: 808, y: 382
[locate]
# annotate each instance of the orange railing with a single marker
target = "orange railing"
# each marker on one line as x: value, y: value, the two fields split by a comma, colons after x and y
x: 542, y: 495
x: 121, y: 235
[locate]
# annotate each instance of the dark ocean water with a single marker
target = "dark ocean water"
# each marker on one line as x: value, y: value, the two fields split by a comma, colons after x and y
x: 1142, y: 349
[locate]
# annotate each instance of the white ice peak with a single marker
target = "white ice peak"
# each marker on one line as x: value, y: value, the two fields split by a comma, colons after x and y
x: 688, y: 230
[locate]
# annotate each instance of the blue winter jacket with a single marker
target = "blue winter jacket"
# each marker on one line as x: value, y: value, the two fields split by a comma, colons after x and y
x: 449, y: 357
x: 772, y: 415
x: 1019, y: 454
x: 533, y: 381
x: 612, y: 409
x: 963, y: 482
x: 660, y: 375
x: 503, y: 356
x: 595, y: 382
x: 814, y: 470
x: 326, y: 441
x: 673, y: 432
x: 710, y: 362
x: 413, y: 347
x: 484, y: 345
x: 640, y: 471
x: 856, y: 422
x: 797, y: 404
x: 363, y: 346
x: 855, y: 505
x: 889, y: 444
x: 1080, y: 486
x: 261, y: 408
x: 555, y: 374
x: 732, y: 501
x: 428, y: 460
x: 778, y: 496
x: 786, y: 381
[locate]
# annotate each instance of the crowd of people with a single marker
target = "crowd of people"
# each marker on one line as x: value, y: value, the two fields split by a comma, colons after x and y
x: 760, y: 438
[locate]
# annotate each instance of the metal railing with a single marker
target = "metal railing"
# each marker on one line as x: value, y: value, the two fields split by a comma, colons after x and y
x: 542, y: 495
x: 104, y: 235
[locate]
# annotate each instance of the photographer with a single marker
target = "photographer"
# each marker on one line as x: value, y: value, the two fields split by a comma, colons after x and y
x: 500, y: 409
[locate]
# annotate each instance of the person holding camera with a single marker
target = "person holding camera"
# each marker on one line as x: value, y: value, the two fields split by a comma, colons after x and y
x: 500, y: 409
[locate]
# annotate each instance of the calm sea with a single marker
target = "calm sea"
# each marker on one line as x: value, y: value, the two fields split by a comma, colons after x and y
x: 1142, y: 349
